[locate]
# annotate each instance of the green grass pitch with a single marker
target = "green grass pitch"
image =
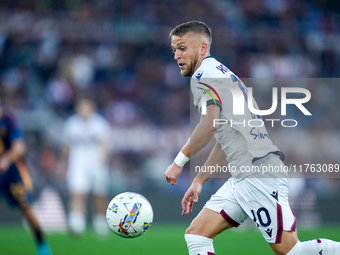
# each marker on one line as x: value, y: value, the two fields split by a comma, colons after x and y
x: 159, y: 240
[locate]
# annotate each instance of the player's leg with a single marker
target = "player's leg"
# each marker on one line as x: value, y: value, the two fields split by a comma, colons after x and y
x: 99, y: 221
x: 79, y: 185
x: 221, y: 212
x: 100, y: 191
x: 288, y: 241
x: 76, y: 217
x: 199, y: 236
x: 290, y: 245
x: 32, y: 221
x: 316, y: 247
x: 266, y: 201
x: 208, y: 224
x: 17, y: 195
x: 42, y: 246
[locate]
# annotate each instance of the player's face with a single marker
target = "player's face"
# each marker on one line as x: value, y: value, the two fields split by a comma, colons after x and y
x: 85, y: 108
x: 186, y: 49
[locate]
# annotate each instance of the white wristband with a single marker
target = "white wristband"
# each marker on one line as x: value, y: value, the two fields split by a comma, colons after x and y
x: 181, y: 159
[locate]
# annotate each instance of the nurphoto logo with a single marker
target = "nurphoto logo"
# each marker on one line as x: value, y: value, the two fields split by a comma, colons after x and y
x: 242, y: 97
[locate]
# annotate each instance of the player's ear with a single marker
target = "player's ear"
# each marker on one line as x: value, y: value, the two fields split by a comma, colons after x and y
x: 204, y: 48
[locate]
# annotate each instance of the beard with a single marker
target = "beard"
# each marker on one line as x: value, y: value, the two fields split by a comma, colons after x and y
x: 191, y: 69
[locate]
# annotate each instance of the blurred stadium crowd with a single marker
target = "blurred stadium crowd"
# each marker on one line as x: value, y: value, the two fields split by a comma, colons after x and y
x: 118, y: 52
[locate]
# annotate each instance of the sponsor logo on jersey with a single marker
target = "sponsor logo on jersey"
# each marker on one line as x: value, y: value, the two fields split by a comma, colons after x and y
x: 269, y: 232
x: 199, y: 75
x: 275, y: 194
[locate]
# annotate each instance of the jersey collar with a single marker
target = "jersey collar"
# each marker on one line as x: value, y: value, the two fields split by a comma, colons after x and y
x: 202, y: 63
x: 207, y: 58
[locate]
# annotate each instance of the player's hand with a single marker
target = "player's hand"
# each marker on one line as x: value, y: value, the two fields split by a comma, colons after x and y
x: 191, y: 197
x: 172, y: 172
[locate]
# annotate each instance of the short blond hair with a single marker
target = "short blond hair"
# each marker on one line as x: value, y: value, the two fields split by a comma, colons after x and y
x: 197, y: 27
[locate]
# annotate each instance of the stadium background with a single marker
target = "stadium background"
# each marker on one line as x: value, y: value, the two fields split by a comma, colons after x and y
x: 119, y: 52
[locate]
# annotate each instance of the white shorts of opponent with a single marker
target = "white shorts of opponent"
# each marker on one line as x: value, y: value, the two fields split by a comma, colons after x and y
x: 84, y: 178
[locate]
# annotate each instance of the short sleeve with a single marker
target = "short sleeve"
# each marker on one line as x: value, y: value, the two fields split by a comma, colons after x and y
x: 205, y: 91
x: 105, y: 131
x: 15, y: 131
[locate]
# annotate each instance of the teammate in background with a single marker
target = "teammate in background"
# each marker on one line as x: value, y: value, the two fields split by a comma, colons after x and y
x: 265, y: 200
x: 15, y: 182
x: 87, y: 150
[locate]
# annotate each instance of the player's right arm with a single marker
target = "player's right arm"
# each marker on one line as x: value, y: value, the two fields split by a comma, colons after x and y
x: 16, y: 151
x: 216, y: 157
x: 200, y: 137
x: 175, y: 169
x: 17, y: 145
x: 66, y: 148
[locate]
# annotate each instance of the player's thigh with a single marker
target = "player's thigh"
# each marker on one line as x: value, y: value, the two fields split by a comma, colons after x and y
x: 78, y: 179
x: 289, y: 239
x: 14, y: 189
x: 265, y: 200
x: 221, y: 212
x: 208, y: 223
x: 100, y: 181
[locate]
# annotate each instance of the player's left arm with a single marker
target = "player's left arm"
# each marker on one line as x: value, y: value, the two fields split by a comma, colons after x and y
x: 216, y: 157
x: 106, y: 144
x: 205, y: 130
x: 16, y: 151
x: 201, y: 136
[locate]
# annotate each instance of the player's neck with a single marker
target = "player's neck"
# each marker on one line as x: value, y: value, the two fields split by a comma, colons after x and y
x: 199, y: 62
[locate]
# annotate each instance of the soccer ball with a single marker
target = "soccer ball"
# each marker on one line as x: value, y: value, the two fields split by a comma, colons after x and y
x: 129, y: 215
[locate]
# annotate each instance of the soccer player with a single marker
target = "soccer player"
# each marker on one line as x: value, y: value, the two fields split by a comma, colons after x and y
x: 265, y: 200
x: 87, y: 150
x: 15, y: 183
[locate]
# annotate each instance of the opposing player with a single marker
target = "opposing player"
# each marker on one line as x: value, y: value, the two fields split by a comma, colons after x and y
x: 15, y: 183
x: 87, y: 150
x: 265, y: 200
